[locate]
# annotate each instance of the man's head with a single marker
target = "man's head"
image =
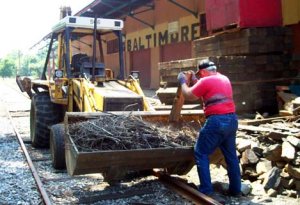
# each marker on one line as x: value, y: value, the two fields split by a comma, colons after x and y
x: 205, y: 67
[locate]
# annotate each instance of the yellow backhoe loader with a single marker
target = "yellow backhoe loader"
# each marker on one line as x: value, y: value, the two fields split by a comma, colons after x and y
x: 81, y: 87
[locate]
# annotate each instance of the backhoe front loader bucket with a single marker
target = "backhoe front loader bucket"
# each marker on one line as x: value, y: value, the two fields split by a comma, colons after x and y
x: 114, y: 163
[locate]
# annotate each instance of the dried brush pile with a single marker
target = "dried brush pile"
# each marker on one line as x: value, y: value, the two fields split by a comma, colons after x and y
x: 127, y: 132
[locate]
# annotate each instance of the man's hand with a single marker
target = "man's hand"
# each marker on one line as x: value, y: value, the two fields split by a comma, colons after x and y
x: 184, y: 78
x: 194, y: 79
x: 187, y: 77
x: 181, y: 78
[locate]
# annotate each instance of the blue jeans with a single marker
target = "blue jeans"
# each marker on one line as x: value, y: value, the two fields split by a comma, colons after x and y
x: 218, y: 131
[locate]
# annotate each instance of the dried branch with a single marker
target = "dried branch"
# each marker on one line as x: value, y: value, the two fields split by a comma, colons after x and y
x: 126, y: 132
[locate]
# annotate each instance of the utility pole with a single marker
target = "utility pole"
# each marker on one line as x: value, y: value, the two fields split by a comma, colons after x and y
x: 19, y: 62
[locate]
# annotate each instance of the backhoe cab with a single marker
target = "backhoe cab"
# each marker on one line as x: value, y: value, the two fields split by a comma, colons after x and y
x: 73, y: 33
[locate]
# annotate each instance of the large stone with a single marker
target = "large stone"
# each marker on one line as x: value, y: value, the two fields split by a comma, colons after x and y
x: 243, y: 144
x: 294, y: 141
x: 263, y: 166
x: 257, y: 188
x: 249, y: 157
x: 296, y: 161
x: 278, y: 136
x: 288, y: 151
x: 272, y: 179
x: 292, y: 193
x: 250, y: 171
x: 285, y: 174
x: 258, y: 151
x: 246, y: 187
x: 254, y: 144
x: 280, y: 164
x: 262, y: 177
x: 287, y: 183
x: 297, y: 183
x: 217, y: 158
x: 220, y: 187
x: 273, y: 153
x: 293, y: 171
x: 272, y: 193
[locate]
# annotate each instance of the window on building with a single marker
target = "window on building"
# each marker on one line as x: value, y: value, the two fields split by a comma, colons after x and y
x: 112, y: 46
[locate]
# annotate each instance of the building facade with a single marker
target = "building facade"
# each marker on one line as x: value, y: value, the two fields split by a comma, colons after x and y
x: 164, y: 30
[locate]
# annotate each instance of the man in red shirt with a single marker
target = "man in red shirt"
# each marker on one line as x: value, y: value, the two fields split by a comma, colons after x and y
x: 219, y: 130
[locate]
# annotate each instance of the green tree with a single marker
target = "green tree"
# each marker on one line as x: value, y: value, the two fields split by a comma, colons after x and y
x: 7, y: 67
x: 24, y: 65
x: 31, y: 66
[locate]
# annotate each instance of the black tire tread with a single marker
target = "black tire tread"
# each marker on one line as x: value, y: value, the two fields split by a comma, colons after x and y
x: 43, y: 114
x: 57, y: 146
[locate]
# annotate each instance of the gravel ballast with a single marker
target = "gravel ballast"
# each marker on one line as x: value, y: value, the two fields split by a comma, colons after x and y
x: 17, y: 185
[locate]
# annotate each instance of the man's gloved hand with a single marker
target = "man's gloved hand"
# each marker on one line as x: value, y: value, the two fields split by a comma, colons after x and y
x: 181, y: 78
x: 194, y: 79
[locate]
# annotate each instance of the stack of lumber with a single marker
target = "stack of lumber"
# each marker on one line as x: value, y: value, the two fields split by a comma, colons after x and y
x: 254, y: 79
x: 245, y: 42
x: 237, y: 68
x: 288, y: 100
x: 169, y: 70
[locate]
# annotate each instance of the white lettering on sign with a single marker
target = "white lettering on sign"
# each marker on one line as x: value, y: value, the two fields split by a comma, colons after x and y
x: 185, y: 33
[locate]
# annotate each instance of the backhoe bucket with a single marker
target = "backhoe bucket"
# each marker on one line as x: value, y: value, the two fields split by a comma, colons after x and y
x: 114, y: 163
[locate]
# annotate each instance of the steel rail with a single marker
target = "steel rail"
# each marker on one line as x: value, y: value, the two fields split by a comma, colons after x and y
x: 38, y: 181
x: 17, y: 90
x: 184, y: 189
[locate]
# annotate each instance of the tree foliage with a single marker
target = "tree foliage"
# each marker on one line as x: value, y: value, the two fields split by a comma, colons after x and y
x: 7, y: 67
x: 16, y: 63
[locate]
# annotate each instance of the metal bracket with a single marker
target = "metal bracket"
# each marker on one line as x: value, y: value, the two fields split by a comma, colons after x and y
x: 195, y: 13
x: 142, y: 11
x: 132, y: 15
x: 107, y: 4
x: 118, y: 8
x: 140, y: 20
x: 78, y: 39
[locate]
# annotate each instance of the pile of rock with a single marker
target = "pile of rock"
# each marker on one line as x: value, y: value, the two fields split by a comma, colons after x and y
x: 270, y: 157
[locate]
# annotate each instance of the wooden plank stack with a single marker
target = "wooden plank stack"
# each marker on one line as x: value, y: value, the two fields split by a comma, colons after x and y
x: 254, y: 59
x: 169, y: 70
x: 251, y: 41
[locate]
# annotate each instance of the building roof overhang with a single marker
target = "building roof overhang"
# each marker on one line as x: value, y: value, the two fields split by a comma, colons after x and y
x: 113, y: 8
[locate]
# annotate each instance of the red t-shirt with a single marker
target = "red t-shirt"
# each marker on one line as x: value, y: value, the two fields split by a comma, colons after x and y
x: 216, y: 93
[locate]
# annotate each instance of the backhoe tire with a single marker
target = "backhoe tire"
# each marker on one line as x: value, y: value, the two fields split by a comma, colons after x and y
x: 43, y: 114
x: 57, y: 146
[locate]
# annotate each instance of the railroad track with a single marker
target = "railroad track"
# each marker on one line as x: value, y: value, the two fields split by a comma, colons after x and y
x: 57, y: 187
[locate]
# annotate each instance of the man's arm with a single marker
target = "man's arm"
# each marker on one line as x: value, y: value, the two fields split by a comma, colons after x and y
x: 184, y: 80
x: 187, y: 93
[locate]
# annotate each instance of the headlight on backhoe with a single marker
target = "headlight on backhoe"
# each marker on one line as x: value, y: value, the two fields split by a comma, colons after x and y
x: 135, y: 74
x: 58, y: 74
